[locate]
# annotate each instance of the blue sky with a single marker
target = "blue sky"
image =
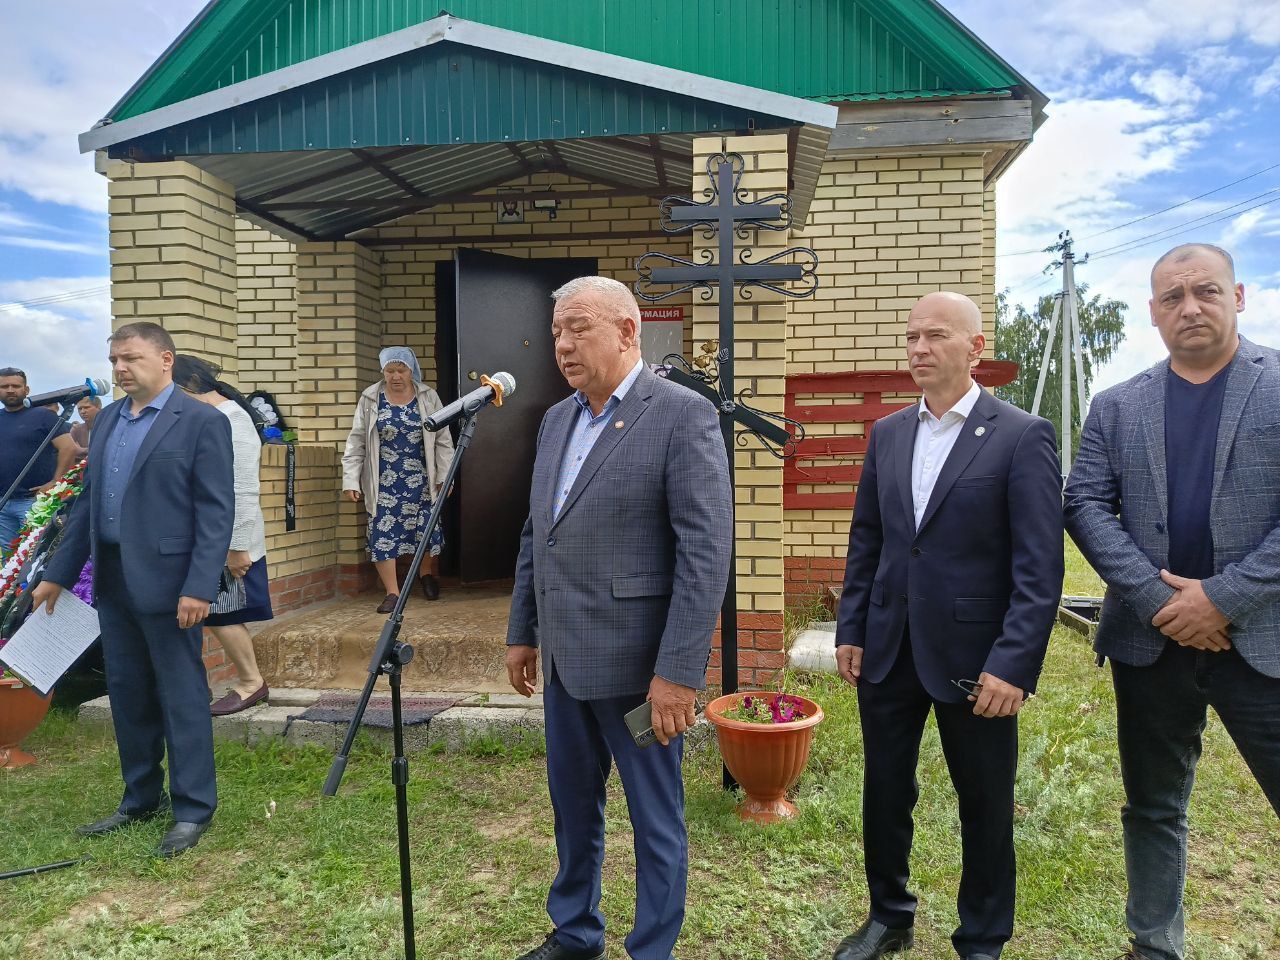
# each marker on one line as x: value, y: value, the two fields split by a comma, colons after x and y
x: 1153, y: 103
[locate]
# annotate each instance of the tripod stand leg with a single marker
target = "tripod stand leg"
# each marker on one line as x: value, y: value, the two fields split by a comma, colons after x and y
x: 400, y: 779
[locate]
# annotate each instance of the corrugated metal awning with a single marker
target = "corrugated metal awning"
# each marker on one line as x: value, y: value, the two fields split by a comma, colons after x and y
x: 417, y: 118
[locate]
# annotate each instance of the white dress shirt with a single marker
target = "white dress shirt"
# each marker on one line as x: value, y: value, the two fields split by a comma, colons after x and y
x: 935, y: 436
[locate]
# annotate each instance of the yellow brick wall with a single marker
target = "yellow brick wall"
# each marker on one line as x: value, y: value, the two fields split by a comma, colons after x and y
x: 311, y: 545
x: 339, y: 336
x: 409, y: 271
x: 267, y: 316
x: 887, y: 231
x: 173, y: 254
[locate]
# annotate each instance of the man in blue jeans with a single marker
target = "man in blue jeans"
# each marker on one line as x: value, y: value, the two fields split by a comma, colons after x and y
x: 1175, y: 501
x: 22, y: 429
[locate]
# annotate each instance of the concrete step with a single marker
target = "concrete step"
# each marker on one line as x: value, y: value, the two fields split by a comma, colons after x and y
x: 504, y: 717
x: 459, y: 643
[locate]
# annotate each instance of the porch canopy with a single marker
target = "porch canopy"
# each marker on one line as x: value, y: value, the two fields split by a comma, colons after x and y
x: 436, y: 112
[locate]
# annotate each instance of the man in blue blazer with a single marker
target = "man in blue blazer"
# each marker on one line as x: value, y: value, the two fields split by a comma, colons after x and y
x: 623, y: 565
x: 951, y: 589
x: 156, y: 516
x: 1175, y: 501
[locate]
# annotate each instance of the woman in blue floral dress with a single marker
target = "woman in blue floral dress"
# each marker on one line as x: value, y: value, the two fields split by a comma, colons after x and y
x: 396, y: 468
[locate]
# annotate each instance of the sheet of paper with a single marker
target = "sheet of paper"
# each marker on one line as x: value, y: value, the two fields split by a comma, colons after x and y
x: 45, y: 647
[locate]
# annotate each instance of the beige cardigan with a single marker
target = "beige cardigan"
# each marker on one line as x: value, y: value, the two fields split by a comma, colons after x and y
x: 360, y: 459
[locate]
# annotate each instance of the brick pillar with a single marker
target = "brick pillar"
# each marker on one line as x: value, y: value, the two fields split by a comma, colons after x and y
x: 267, y: 309
x: 339, y: 336
x: 173, y: 255
x: 760, y: 363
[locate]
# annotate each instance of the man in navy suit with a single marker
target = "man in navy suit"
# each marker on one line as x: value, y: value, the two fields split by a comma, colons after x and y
x: 623, y: 564
x: 951, y: 589
x: 156, y: 516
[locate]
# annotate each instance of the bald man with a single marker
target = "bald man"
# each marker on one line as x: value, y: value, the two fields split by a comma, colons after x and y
x: 950, y: 591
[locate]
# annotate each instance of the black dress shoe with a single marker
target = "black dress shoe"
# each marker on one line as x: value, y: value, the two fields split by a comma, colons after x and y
x: 552, y: 949
x: 873, y: 940
x: 118, y: 821
x: 180, y: 838
x: 430, y: 587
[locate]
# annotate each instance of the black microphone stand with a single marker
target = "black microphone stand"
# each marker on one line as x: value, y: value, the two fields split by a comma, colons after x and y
x: 48, y: 439
x: 390, y: 657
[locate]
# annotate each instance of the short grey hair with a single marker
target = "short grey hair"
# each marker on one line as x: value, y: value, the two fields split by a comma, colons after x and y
x: 609, y: 293
x: 1185, y: 251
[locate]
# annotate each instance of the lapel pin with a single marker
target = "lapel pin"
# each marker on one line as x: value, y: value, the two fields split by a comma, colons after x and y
x: 618, y: 425
x: 980, y: 431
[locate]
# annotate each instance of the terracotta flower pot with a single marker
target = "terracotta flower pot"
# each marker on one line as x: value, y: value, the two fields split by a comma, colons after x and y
x: 21, y: 710
x: 765, y: 758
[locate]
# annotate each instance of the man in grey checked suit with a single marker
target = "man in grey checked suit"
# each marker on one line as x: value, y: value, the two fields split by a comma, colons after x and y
x: 623, y: 565
x: 1175, y: 501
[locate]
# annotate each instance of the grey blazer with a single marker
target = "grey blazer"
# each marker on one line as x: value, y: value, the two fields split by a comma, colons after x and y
x: 1117, y: 510
x: 627, y: 581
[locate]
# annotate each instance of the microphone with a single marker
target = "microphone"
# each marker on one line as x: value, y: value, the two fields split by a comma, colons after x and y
x: 90, y: 388
x: 495, y: 388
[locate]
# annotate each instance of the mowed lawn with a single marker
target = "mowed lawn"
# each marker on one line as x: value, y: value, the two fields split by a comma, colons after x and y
x: 319, y: 877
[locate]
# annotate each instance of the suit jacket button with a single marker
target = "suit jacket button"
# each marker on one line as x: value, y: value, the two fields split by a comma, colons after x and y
x: 915, y: 551
x: 551, y: 541
x: 902, y: 598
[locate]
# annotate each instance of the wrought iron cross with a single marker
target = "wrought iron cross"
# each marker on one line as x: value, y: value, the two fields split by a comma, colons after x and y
x: 726, y: 213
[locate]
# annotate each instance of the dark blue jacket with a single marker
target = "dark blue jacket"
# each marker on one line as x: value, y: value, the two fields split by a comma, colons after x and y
x: 175, y: 525
x: 980, y: 581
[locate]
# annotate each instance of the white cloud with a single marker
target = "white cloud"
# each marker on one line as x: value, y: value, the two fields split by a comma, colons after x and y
x: 1258, y: 322
x: 43, y: 243
x: 60, y: 343
x: 1051, y: 46
x: 15, y: 221
x: 1267, y: 80
x: 1168, y: 88
x: 1241, y: 227
x: 1077, y: 169
x: 59, y: 80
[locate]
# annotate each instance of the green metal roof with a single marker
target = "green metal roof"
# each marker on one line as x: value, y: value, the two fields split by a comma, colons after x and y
x: 445, y: 93
x: 818, y: 49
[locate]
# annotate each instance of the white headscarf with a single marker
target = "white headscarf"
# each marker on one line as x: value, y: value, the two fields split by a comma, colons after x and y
x: 400, y: 355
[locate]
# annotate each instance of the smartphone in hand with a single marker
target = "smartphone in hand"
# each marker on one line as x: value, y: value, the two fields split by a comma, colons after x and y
x: 640, y: 723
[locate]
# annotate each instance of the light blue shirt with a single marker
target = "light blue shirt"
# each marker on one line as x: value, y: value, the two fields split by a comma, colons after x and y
x: 120, y: 452
x: 586, y: 430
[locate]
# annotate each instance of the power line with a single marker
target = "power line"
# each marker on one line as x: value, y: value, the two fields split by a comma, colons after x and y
x: 1148, y: 216
x: 1166, y: 234
x: 1188, y: 223
x: 1184, y: 202
x: 67, y: 296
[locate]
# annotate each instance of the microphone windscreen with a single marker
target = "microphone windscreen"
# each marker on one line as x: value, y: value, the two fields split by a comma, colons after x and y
x: 99, y: 387
x: 506, y: 381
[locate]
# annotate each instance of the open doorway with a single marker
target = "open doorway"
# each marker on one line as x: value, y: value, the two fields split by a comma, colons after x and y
x: 493, y: 313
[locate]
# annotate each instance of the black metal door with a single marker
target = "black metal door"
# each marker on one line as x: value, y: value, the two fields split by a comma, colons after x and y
x: 503, y: 311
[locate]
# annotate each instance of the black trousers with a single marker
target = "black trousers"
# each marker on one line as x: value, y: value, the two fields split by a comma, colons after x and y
x: 982, y: 758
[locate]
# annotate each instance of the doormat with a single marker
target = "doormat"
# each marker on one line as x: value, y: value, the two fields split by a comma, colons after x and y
x: 339, y: 708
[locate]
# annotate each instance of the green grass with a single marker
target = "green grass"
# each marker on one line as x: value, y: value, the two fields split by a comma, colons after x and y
x: 1080, y: 581
x: 319, y: 878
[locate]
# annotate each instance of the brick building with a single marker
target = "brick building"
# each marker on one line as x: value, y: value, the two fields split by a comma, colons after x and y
x: 297, y: 183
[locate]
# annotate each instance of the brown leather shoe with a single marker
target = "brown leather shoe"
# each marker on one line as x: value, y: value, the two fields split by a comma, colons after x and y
x: 234, y: 703
x: 388, y: 603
